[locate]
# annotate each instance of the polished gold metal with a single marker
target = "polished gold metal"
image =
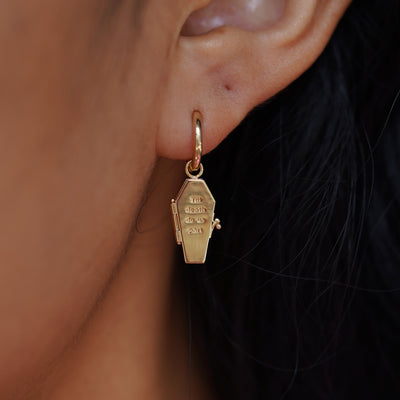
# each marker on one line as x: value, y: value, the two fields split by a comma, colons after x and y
x: 197, y: 142
x: 193, y: 209
x: 189, y: 170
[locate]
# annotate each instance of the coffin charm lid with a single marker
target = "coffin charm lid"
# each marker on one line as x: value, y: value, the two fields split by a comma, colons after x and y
x: 193, y: 215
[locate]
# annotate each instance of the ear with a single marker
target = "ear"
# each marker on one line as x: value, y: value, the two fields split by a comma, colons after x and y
x: 227, y: 71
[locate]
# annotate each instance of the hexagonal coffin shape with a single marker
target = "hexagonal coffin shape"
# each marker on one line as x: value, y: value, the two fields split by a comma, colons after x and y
x: 195, y: 207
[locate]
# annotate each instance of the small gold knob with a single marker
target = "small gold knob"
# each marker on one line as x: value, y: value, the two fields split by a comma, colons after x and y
x: 217, y: 224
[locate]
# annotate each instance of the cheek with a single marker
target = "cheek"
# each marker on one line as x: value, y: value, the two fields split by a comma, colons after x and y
x: 70, y: 183
x: 65, y: 216
x: 62, y: 230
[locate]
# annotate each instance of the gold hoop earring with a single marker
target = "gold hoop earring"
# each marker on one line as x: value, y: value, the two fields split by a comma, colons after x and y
x: 193, y: 209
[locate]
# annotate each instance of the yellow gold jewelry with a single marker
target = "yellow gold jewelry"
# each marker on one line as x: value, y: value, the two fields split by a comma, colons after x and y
x: 193, y: 209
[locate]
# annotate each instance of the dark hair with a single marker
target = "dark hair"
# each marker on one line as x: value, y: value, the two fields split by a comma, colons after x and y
x: 300, y: 296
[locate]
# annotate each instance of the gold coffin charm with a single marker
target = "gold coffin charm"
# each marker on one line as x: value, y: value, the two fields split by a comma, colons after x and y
x: 193, y: 215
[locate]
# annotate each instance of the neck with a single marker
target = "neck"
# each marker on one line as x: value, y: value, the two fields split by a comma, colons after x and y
x: 135, y: 344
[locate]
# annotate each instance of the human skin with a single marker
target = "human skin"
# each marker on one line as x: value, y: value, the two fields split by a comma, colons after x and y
x: 77, y: 153
x: 94, y: 96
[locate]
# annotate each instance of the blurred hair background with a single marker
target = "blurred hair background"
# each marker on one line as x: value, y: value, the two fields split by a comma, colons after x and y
x: 300, y: 296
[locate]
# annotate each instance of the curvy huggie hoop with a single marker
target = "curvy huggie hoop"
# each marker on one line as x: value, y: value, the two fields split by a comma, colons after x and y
x: 197, y: 141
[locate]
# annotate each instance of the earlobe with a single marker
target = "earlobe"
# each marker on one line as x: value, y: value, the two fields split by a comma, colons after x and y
x: 228, y: 71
